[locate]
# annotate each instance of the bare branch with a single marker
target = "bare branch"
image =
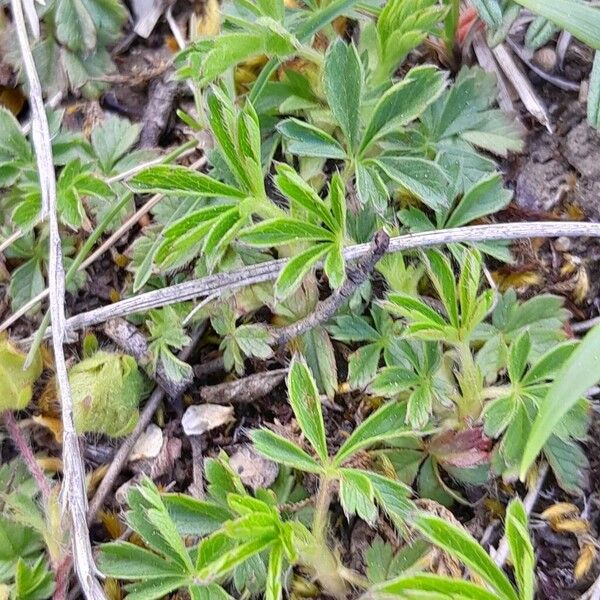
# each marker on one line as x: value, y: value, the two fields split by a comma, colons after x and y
x: 223, y: 283
x: 127, y: 336
x: 355, y: 276
x: 73, y: 486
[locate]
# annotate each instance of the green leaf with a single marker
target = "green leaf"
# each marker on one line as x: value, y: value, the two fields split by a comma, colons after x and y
x: 437, y: 585
x: 490, y: 11
x: 404, y: 102
x: 357, y: 495
x: 539, y: 33
x: 306, y: 404
x: 518, y: 357
x: 384, y: 424
x: 124, y: 560
x: 580, y: 372
x: 334, y: 266
x: 227, y: 561
x: 370, y: 186
x: 26, y: 282
x: 302, y: 194
x: 194, y: 517
x: 521, y: 548
x: 342, y: 84
x: 173, y: 179
x: 460, y: 544
x: 393, y: 497
x: 112, y: 139
x: 153, y: 589
x: 74, y: 25
x: 278, y: 232
x: 296, y: 269
x: 485, y: 197
x: 13, y: 144
x: 422, y: 178
x: 33, y: 582
x: 282, y: 450
x: 441, y: 274
x: 274, y: 587
x: 304, y: 139
x: 578, y: 18
x: 362, y: 365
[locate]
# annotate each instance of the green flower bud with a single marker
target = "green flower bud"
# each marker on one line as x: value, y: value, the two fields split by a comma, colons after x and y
x: 106, y: 389
x: 16, y: 385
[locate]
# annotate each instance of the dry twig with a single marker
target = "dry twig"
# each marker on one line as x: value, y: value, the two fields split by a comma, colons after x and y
x: 222, y: 283
x: 73, y: 486
x: 355, y: 276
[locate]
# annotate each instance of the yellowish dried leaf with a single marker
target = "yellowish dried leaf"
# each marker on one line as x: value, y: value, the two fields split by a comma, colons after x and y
x: 209, y: 24
x: 112, y: 589
x: 112, y: 524
x: 520, y: 280
x: 52, y: 424
x: 559, y: 511
x: 12, y: 98
x: 574, y: 526
x: 51, y: 464
x: 585, y: 561
x: 95, y: 477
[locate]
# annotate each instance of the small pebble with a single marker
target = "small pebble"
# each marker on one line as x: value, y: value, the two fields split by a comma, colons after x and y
x: 584, y: 90
x: 546, y: 59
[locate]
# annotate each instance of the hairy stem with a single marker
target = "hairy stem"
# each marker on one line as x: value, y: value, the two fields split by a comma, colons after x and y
x: 321, y: 515
x: 26, y: 454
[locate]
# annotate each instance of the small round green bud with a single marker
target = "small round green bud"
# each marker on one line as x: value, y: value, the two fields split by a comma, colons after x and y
x: 107, y: 389
x: 16, y: 384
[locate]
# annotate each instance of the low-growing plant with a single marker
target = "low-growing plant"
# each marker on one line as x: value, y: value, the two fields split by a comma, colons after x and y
x: 253, y: 542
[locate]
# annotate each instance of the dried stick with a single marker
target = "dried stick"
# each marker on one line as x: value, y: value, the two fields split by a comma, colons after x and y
x: 122, y: 454
x: 73, y: 486
x: 223, y: 283
x: 244, y: 390
x: 355, y: 276
x: 132, y: 341
x: 25, y: 452
x: 529, y: 502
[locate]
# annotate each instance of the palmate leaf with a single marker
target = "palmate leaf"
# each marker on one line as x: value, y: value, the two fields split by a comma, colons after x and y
x: 357, y: 495
x: 425, y: 583
x: 282, y: 231
x: 384, y: 424
x: 521, y: 548
x: 403, y: 102
x: 422, y: 178
x: 301, y: 194
x: 297, y: 268
x: 274, y: 587
x: 177, y: 180
x: 485, y: 197
x: 282, y: 450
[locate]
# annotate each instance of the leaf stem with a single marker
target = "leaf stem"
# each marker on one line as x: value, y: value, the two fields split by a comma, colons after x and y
x: 322, y: 502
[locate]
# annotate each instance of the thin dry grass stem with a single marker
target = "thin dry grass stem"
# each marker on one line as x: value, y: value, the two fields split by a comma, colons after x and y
x: 73, y: 486
x: 220, y: 284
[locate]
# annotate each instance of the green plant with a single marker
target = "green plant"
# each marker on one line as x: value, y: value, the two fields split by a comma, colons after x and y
x: 16, y: 383
x: 107, y: 389
x: 31, y: 536
x: 73, y: 51
x: 241, y: 528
